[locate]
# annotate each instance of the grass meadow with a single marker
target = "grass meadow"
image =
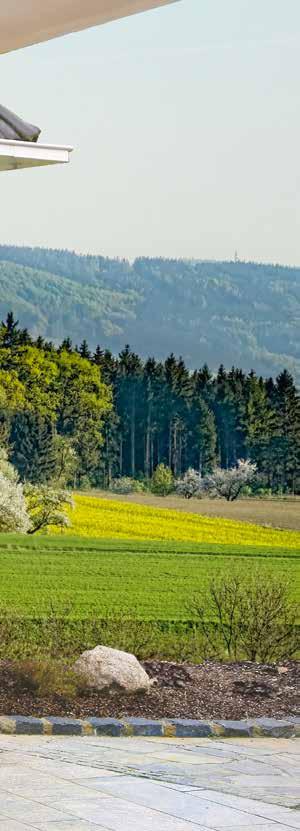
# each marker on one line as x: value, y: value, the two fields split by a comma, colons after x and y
x: 124, y: 575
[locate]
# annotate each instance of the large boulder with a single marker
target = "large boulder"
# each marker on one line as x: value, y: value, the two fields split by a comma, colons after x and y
x: 106, y: 668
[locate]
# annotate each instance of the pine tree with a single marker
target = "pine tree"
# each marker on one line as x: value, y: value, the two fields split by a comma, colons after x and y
x: 110, y: 451
x: 10, y: 334
x: 154, y: 416
x: 109, y: 466
x: 287, y: 435
x: 203, y: 384
x: 259, y: 424
x: 150, y: 397
x: 25, y: 338
x: 109, y: 367
x: 84, y: 351
x: 87, y: 448
x: 49, y: 347
x: 39, y: 343
x: 33, y: 441
x: 226, y: 419
x: 237, y: 386
x: 177, y: 399
x: 203, y: 437
x: 66, y: 345
x: 128, y: 392
x: 98, y: 356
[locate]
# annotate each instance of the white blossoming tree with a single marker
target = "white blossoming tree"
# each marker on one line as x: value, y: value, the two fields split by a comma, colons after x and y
x: 46, y: 507
x: 6, y: 468
x: 13, y: 509
x: 29, y: 508
x: 230, y: 483
x: 190, y: 485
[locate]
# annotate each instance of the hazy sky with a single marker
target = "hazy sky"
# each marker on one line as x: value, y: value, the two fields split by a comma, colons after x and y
x: 186, y: 124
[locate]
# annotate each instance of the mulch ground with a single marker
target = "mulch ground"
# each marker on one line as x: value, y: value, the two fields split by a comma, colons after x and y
x: 209, y: 691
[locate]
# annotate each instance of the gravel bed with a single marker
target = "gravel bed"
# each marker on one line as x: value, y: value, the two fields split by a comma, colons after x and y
x: 208, y: 691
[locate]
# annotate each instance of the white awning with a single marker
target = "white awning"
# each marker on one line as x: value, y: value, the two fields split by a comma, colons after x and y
x: 18, y: 154
x: 24, y: 22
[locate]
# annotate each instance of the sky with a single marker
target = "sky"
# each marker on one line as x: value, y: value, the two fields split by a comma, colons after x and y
x: 186, y: 124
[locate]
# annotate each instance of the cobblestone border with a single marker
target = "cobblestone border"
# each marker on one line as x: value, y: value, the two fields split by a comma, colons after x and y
x: 168, y: 728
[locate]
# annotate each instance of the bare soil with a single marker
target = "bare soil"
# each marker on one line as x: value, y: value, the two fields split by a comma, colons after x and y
x: 208, y: 691
x: 274, y: 512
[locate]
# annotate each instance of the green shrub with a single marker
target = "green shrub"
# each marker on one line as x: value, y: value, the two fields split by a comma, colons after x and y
x: 162, y: 482
x: 253, y: 619
x: 124, y: 485
x: 47, y: 677
x: 85, y: 484
x: 140, y: 486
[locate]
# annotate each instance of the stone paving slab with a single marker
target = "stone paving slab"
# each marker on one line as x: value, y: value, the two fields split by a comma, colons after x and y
x: 141, y: 783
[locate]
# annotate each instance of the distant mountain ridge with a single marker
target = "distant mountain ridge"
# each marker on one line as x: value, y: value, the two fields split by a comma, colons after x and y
x: 232, y: 312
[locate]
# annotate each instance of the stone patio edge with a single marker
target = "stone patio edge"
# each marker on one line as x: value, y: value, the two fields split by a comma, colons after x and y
x: 167, y: 728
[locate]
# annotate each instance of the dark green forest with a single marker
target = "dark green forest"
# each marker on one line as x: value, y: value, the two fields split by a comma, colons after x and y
x: 83, y: 416
x: 245, y: 313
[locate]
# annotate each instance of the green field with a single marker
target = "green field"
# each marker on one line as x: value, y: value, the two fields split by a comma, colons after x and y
x: 145, y: 580
x: 60, y: 595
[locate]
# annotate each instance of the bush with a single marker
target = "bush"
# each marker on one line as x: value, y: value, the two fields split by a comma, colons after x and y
x: 85, y: 484
x: 47, y: 677
x: 190, y: 485
x: 262, y: 493
x: 126, y: 485
x: 252, y: 618
x: 162, y: 481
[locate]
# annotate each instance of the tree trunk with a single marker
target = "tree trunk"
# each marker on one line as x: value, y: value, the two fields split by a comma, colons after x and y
x: 174, y: 460
x: 121, y: 456
x: 148, y: 442
x: 180, y: 454
x: 132, y: 433
x: 170, y: 444
x: 157, y: 452
x: 152, y: 455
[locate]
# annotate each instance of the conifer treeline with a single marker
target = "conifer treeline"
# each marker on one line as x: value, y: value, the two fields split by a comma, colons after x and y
x: 160, y: 412
x: 164, y: 413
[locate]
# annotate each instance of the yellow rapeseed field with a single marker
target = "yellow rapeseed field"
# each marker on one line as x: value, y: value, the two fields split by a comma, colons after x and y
x: 111, y: 519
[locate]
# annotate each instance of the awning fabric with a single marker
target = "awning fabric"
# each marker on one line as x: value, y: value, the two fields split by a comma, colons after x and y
x: 24, y: 22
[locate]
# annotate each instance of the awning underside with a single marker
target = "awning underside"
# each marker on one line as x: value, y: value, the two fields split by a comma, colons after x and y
x: 24, y: 22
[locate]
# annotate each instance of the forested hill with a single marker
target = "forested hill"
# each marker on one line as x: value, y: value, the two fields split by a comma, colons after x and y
x: 238, y: 313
